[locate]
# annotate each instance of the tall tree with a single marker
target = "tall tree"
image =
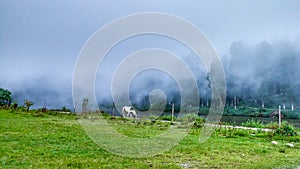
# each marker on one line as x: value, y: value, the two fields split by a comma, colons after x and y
x: 5, y: 97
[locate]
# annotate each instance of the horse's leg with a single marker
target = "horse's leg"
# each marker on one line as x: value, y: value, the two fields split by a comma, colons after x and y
x: 134, y: 114
x: 123, y: 112
x: 130, y: 114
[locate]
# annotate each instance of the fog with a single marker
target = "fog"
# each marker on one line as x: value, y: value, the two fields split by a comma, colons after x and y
x: 252, y: 71
x: 258, y: 42
x: 263, y: 70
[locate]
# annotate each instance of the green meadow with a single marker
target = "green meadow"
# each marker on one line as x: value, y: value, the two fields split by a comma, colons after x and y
x: 50, y: 140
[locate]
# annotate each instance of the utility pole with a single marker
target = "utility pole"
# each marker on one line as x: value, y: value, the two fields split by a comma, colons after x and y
x: 279, y: 116
x: 234, y: 102
x: 44, y: 109
x: 172, y: 112
x: 113, y: 109
x: 75, y: 107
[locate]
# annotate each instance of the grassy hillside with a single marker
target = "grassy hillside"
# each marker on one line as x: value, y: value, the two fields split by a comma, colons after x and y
x: 58, y: 141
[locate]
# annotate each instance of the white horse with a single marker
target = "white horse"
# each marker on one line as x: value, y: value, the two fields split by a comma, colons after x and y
x: 128, y: 111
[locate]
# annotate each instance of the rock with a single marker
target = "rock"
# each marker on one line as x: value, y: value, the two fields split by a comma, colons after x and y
x: 290, y: 145
x: 184, y: 165
x: 274, y: 143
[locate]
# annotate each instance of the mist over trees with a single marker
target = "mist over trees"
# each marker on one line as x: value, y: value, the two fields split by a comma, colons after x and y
x: 263, y: 70
x: 266, y: 73
x: 254, y: 72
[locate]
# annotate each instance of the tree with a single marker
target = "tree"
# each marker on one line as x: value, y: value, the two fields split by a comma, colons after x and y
x: 15, y: 104
x: 5, y: 97
x: 28, y: 103
x: 85, y: 106
x: 65, y: 109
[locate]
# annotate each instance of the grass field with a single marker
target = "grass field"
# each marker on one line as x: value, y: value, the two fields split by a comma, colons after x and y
x: 60, y: 142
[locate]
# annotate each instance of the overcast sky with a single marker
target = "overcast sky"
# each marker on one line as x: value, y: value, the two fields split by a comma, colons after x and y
x: 40, y: 40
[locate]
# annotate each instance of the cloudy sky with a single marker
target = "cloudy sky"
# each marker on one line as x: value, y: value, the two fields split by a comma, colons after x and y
x: 41, y: 40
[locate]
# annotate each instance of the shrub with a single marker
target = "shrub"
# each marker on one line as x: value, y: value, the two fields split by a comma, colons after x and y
x: 253, y: 123
x: 166, y: 117
x: 291, y: 115
x: 112, y: 117
x: 286, y: 130
x: 188, y: 118
x: 191, y: 120
x: 272, y: 125
x: 105, y: 114
x: 199, y: 123
x: 204, y: 110
x: 229, y: 133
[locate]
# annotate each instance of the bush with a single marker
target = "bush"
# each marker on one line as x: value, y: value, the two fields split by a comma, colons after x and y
x: 166, y: 117
x: 253, y: 123
x: 199, y: 123
x: 191, y: 120
x: 105, y: 114
x: 272, y: 125
x: 188, y: 118
x: 286, y: 130
x: 291, y: 115
x: 203, y: 110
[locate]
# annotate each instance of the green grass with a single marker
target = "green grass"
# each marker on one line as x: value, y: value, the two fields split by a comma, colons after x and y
x: 254, y: 123
x: 49, y: 141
